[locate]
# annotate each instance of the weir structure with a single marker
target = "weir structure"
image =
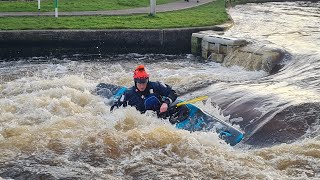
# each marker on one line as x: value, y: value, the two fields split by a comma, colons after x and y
x: 230, y: 51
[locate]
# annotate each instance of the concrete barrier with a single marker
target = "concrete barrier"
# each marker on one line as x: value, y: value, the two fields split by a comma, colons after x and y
x: 61, y: 42
x: 231, y: 51
x: 213, y: 46
x: 229, y: 41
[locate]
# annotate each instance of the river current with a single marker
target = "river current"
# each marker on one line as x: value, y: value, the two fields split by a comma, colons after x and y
x: 53, y: 126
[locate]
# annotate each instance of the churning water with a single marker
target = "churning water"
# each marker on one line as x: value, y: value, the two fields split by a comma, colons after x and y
x: 54, y: 127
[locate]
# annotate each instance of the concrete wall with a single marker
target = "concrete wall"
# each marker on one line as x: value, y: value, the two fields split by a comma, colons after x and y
x: 61, y: 42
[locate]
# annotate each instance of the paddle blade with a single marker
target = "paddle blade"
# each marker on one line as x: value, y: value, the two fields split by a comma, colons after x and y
x: 192, y: 100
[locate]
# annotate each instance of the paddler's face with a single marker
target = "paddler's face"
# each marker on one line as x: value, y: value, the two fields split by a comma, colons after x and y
x: 142, y: 86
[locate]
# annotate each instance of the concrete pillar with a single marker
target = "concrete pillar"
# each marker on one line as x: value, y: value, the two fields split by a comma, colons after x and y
x: 153, y: 7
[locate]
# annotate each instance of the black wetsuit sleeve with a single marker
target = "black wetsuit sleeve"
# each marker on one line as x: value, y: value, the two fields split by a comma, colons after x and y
x: 173, y: 96
x: 166, y: 92
x: 120, y: 102
x: 132, y: 98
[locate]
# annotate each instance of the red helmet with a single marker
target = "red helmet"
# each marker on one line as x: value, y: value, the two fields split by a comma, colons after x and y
x: 140, y: 75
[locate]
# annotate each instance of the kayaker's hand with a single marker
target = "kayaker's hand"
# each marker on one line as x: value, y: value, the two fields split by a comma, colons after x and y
x: 164, y: 107
x: 115, y: 104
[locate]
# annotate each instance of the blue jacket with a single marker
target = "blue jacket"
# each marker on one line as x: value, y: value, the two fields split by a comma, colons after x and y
x: 151, y: 98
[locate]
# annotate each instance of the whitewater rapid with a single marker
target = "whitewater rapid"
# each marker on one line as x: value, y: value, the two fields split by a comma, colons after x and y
x: 53, y: 126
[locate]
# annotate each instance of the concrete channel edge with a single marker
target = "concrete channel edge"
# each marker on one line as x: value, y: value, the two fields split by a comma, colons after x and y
x: 28, y: 43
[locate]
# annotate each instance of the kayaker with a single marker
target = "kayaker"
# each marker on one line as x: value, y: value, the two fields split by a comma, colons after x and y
x: 147, y: 95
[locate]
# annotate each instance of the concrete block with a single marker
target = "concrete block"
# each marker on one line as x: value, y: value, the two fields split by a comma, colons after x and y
x: 224, y: 40
x: 205, y: 54
x: 196, y: 45
x: 204, y: 45
x: 217, y: 57
x: 198, y: 35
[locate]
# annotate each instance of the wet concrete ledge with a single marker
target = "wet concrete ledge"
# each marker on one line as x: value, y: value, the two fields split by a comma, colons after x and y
x: 28, y: 43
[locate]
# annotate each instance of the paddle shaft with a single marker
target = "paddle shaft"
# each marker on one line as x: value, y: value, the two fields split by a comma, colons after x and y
x: 192, y: 100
